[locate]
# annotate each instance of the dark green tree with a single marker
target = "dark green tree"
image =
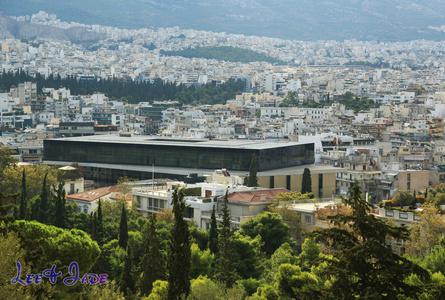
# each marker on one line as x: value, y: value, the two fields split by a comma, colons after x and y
x: 34, y: 208
x: 44, y: 202
x: 247, y: 256
x: 60, y: 216
x: 8, y: 208
x: 252, y: 180
x: 93, y: 225
x: 199, y: 236
x: 225, y: 268
x: 127, y: 283
x: 306, y: 183
x: 46, y: 244
x: 270, y: 227
x: 364, y: 265
x: 132, y: 91
x: 291, y: 100
x: 213, y: 233
x: 404, y: 198
x: 180, y: 253
x: 99, y: 224
x: 23, y: 198
x: 152, y: 263
x: 123, y: 228
x: 295, y: 284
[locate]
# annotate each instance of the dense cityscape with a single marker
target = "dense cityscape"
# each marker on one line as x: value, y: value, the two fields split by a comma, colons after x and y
x: 172, y: 163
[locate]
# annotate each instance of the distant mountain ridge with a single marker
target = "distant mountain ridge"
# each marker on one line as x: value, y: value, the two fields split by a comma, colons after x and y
x: 24, y: 30
x: 387, y: 20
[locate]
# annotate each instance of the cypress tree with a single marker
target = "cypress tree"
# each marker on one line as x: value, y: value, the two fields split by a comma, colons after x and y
x: 127, y: 283
x: 60, y: 206
x: 93, y: 225
x: 23, y: 198
x: 100, y: 224
x: 306, y: 184
x: 213, y: 233
x: 123, y: 228
x: 35, y: 206
x: 152, y: 263
x: 225, y: 262
x: 44, y: 202
x: 252, y: 180
x: 180, y: 254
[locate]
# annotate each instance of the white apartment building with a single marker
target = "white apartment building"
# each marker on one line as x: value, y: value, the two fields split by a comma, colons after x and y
x: 200, y: 198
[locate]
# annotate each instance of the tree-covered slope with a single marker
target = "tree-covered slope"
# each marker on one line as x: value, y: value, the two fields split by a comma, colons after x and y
x: 232, y: 54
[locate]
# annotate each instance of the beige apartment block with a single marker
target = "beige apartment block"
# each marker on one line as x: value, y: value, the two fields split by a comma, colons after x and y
x: 323, y: 179
x: 413, y: 180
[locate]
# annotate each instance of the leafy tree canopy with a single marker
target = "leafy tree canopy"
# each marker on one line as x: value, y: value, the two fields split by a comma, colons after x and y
x: 270, y: 227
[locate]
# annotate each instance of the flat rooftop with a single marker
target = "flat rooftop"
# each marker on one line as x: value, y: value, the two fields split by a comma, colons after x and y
x: 181, y: 142
x: 311, y: 207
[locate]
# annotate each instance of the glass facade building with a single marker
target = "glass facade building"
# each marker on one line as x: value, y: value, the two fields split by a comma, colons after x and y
x: 186, y: 154
x: 190, y: 154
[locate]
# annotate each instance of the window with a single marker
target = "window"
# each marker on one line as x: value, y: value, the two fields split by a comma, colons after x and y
x: 188, y: 213
x: 155, y: 204
x: 308, y: 219
x: 150, y: 204
x: 288, y: 185
x: 320, y: 185
x: 272, y: 182
x: 389, y: 213
x: 71, y: 188
x: 403, y: 215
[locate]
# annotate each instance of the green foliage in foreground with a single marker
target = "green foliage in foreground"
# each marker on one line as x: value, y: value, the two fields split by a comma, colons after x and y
x: 261, y: 260
x: 45, y: 245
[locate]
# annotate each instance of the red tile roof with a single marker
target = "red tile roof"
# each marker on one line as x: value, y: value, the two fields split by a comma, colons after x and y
x: 93, y: 195
x: 255, y: 196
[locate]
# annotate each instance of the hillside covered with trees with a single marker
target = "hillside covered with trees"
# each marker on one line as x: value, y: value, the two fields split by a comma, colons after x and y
x: 226, y: 53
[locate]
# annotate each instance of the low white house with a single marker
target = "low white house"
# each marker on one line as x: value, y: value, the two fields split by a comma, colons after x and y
x: 74, y: 182
x: 88, y: 201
